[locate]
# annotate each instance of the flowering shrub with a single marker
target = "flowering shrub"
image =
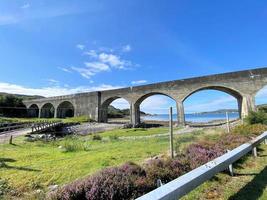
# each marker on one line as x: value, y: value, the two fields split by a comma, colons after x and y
x: 200, y: 153
x: 130, y: 181
x: 122, y: 182
x: 254, y: 129
x: 165, y: 170
x: 231, y: 141
x: 73, y: 191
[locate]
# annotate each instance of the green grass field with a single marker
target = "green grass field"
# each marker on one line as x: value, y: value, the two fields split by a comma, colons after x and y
x: 29, y: 166
x: 80, y: 119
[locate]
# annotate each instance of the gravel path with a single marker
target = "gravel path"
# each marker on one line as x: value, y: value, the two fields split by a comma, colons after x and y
x: 89, y: 128
x: 181, y: 131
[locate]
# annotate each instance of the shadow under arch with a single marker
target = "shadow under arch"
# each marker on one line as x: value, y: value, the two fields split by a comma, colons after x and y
x: 47, y: 111
x: 33, y: 111
x: 65, y: 109
x: 232, y: 92
x: 104, y: 110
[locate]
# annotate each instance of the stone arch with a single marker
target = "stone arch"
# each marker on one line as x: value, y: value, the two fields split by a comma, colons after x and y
x: 233, y: 92
x: 143, y: 97
x: 228, y: 90
x: 33, y: 111
x: 136, y: 118
x: 65, y: 109
x: 47, y: 111
x: 103, y: 111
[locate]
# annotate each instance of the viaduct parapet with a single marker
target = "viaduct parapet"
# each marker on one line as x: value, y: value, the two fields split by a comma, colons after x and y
x: 243, y: 85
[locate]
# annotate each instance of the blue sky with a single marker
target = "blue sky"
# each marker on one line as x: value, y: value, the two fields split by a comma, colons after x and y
x: 59, y: 47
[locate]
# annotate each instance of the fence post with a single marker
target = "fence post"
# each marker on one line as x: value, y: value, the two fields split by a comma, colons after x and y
x: 171, y: 133
x: 227, y: 122
x: 254, y: 151
x: 11, y: 139
x: 265, y: 141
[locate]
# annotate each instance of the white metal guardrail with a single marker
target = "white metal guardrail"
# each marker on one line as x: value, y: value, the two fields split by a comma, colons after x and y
x: 189, y: 181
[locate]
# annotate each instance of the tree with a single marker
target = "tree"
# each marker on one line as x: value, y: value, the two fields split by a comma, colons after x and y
x: 12, y: 106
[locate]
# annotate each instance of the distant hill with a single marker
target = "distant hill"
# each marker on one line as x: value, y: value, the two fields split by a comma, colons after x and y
x: 262, y: 107
x: 24, y: 97
x: 221, y: 111
x: 118, y: 113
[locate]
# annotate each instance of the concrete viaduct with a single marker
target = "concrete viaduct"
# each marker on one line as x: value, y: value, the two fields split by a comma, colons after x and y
x: 243, y: 85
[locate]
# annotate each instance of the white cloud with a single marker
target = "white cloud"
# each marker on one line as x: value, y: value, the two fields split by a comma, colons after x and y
x: 262, y: 93
x: 65, y: 69
x: 97, y: 66
x: 52, y: 81
x: 91, y: 53
x: 51, y: 91
x: 138, y: 82
x: 101, y: 61
x: 261, y: 97
x: 126, y: 48
x: 91, y: 68
x: 113, y: 60
x: 106, y: 49
x: 157, y: 104
x: 212, y: 104
x: 86, y: 73
x: 80, y: 46
x: 25, y: 6
x: 120, y: 103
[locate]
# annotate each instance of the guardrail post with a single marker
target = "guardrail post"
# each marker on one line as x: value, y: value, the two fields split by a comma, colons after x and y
x: 254, y: 151
x: 159, y: 183
x: 230, y: 167
x: 231, y: 170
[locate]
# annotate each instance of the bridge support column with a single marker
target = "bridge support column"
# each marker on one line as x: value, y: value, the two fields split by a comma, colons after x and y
x: 55, y: 113
x: 239, y: 103
x: 103, y: 115
x: 248, y: 104
x: 135, y: 114
x: 39, y: 113
x: 180, y: 113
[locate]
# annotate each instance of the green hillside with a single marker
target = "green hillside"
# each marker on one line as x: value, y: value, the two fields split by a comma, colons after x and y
x: 118, y: 113
x: 24, y: 97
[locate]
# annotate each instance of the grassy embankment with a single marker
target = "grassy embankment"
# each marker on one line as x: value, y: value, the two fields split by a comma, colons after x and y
x: 28, y: 166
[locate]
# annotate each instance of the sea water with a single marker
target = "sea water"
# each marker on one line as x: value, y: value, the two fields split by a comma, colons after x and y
x: 205, y: 117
